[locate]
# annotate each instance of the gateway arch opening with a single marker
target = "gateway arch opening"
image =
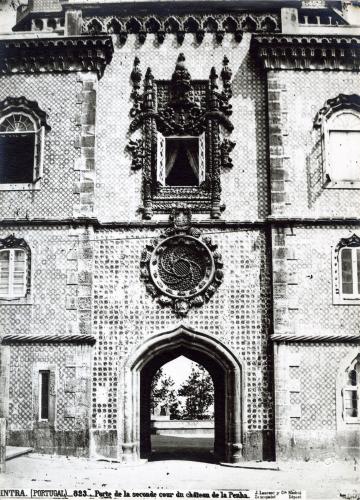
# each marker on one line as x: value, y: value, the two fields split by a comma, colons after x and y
x: 182, y: 412
x: 134, y: 392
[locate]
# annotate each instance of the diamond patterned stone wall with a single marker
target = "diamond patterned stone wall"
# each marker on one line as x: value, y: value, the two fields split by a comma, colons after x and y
x: 56, y: 95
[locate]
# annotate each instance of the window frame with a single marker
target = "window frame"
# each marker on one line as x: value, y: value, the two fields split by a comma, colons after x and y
x: 11, y: 295
x: 329, y: 125
x: 355, y: 273
x: 52, y: 369
x: 339, y: 298
x: 11, y: 242
x: 161, y: 161
x: 345, y: 422
x: 41, y: 373
x: 39, y: 139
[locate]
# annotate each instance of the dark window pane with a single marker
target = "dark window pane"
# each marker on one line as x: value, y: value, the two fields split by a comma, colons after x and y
x: 182, y: 162
x: 16, y: 158
x: 44, y: 406
x: 352, y: 377
x: 346, y: 271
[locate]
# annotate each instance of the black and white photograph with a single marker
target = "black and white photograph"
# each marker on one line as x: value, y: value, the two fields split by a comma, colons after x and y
x: 180, y: 249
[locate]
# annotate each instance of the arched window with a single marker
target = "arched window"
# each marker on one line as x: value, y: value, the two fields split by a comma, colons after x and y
x: 346, y: 271
x: 342, y: 146
x: 351, y: 392
x: 14, y: 268
x: 22, y: 126
x: 339, y: 121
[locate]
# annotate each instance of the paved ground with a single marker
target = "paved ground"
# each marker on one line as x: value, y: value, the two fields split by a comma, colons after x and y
x: 329, y: 479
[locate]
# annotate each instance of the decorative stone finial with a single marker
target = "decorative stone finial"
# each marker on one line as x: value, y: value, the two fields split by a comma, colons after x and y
x: 181, y: 81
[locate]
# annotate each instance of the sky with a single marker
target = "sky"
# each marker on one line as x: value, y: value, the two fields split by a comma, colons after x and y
x: 7, y: 16
x: 178, y: 369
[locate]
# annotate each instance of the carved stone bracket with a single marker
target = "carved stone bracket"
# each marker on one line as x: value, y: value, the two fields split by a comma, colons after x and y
x: 308, y: 52
x: 342, y: 101
x: 135, y: 148
x: 181, y: 269
x: 181, y: 107
x: 55, y: 55
x: 226, y: 147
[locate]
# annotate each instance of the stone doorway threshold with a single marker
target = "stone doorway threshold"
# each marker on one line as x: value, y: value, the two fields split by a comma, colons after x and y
x: 16, y: 451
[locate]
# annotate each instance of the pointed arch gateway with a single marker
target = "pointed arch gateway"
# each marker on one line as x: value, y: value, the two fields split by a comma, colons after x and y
x: 134, y: 392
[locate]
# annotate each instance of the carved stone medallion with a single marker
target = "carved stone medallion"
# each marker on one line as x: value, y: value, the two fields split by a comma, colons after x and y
x: 181, y: 269
x: 181, y: 266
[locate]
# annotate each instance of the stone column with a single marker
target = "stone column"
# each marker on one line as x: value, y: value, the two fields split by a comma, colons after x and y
x: 73, y: 22
x: 236, y: 452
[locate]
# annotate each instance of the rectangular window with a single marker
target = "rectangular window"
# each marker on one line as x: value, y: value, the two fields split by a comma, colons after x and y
x: 17, y: 154
x: 44, y: 383
x: 344, y: 155
x: 180, y: 161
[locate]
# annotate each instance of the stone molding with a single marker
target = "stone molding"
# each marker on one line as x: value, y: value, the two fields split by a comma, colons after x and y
x: 220, y: 223
x: 315, y: 337
x: 18, y: 104
x: 162, y: 266
x: 19, y: 338
x: 180, y: 25
x: 226, y: 368
x: 308, y: 52
x: 55, y: 55
x: 342, y: 101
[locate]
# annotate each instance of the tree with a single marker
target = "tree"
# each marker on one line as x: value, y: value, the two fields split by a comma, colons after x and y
x: 198, y: 390
x: 164, y: 395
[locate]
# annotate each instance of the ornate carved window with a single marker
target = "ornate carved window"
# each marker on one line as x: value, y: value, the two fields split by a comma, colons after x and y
x: 22, y: 127
x: 181, y: 152
x: 346, y: 271
x: 14, y: 268
x: 339, y: 122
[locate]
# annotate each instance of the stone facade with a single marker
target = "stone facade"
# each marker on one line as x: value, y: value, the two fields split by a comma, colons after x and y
x: 95, y: 317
